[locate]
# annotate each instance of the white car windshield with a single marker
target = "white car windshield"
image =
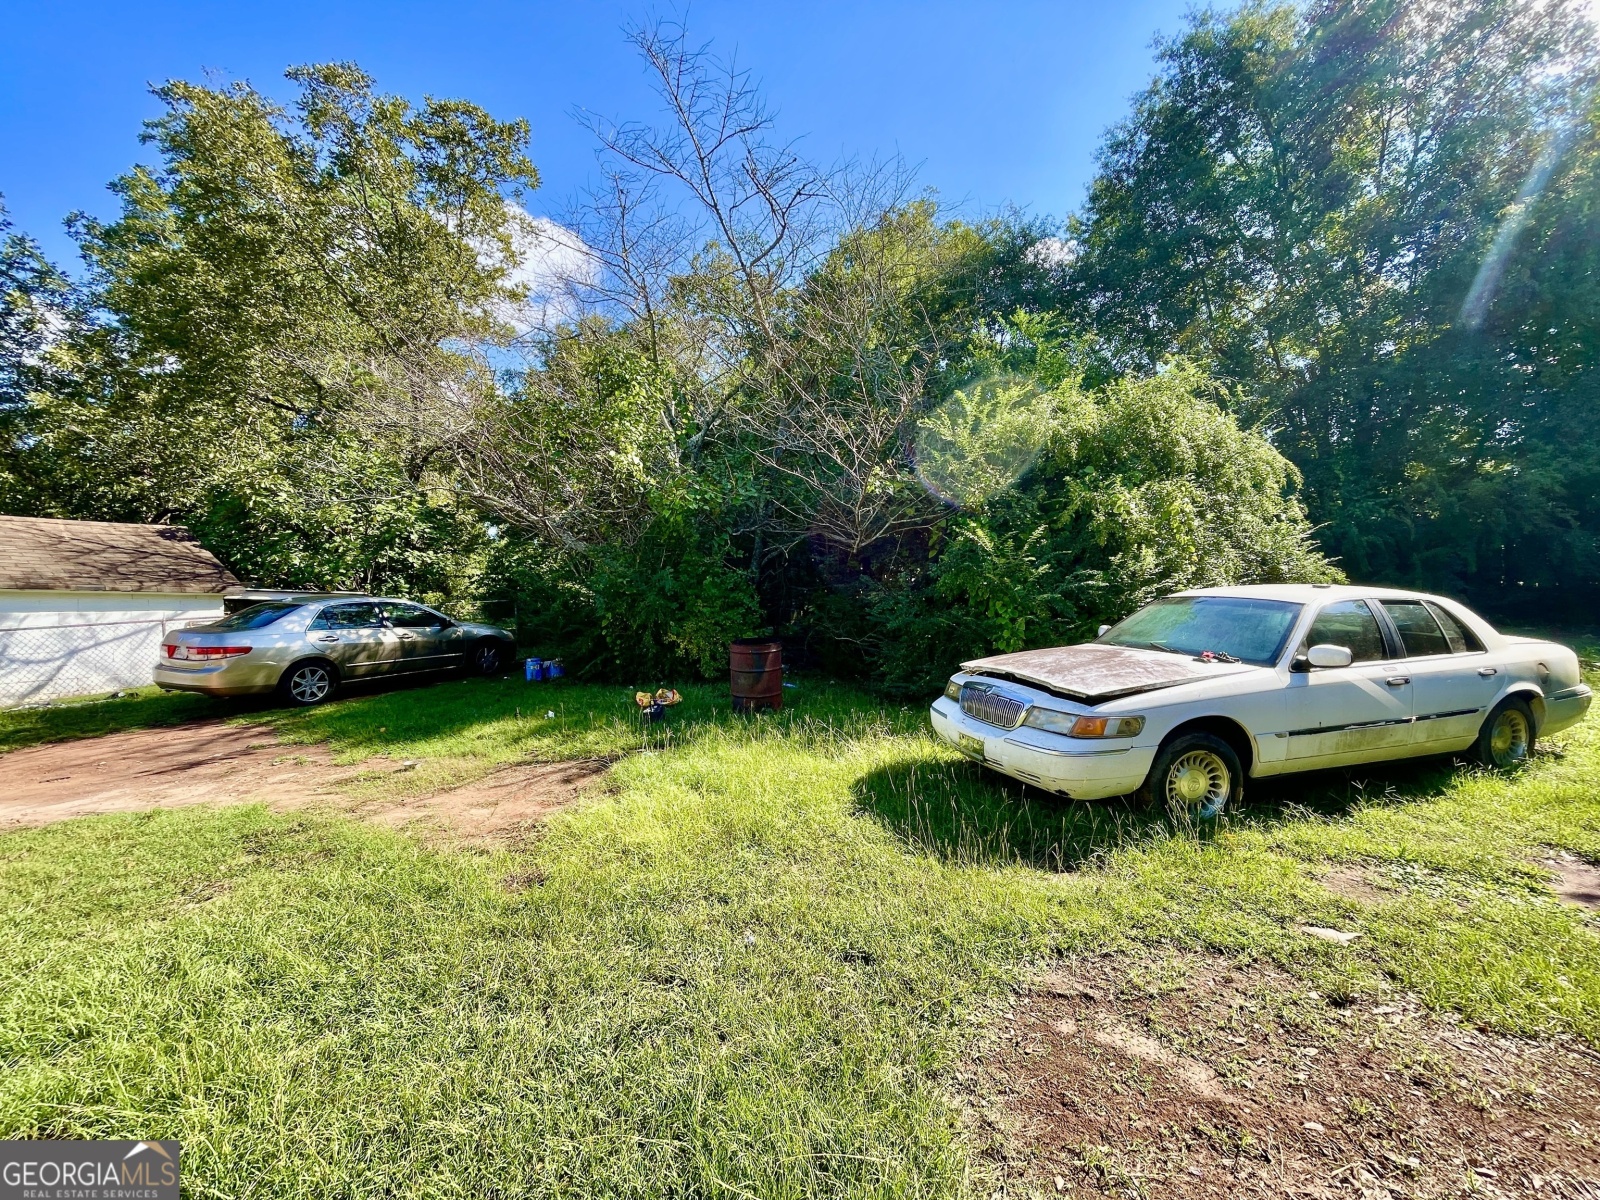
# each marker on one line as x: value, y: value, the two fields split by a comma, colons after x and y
x: 1230, y: 627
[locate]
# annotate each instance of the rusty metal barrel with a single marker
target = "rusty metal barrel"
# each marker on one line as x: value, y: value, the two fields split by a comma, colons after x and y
x: 756, y: 671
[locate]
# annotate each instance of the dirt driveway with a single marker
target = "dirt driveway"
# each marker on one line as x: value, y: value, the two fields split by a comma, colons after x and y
x: 210, y: 762
x: 1195, y: 1076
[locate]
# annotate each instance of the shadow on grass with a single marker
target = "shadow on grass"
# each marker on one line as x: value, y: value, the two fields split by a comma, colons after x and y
x: 957, y: 811
x: 1337, y: 792
x: 151, y: 708
x: 962, y: 813
x: 66, y: 720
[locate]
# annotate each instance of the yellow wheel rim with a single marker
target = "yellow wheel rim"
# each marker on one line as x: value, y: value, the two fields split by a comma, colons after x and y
x: 1508, y: 740
x: 1199, y: 782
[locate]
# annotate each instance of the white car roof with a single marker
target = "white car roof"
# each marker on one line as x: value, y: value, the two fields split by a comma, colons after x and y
x: 1309, y: 593
x: 1318, y: 594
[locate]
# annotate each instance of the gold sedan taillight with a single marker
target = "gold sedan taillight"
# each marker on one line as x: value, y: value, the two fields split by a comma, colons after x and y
x: 202, y: 653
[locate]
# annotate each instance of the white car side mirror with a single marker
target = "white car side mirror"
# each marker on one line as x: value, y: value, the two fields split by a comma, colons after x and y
x: 1326, y: 656
x: 1103, y: 630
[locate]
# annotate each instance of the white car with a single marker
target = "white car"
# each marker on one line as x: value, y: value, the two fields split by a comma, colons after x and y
x: 1189, y: 695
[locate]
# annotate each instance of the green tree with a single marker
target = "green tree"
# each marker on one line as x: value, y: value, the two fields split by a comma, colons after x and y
x: 814, y: 404
x: 287, y: 346
x: 1375, y: 217
x: 35, y: 301
x: 1139, y: 488
x: 910, y: 476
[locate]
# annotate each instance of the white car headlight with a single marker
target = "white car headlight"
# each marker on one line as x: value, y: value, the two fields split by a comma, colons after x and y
x: 1076, y: 725
x: 952, y: 691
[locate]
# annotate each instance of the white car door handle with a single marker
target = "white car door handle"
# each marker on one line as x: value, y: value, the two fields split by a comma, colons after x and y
x: 1488, y: 671
x: 328, y: 637
x: 1398, y: 680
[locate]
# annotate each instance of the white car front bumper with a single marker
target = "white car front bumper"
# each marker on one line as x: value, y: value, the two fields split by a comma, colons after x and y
x: 1082, y: 768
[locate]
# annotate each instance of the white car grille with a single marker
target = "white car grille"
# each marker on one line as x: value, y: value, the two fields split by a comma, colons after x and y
x: 991, y: 707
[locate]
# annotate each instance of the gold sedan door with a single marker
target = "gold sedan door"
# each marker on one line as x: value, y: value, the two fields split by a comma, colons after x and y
x: 425, y: 642
x: 356, y: 638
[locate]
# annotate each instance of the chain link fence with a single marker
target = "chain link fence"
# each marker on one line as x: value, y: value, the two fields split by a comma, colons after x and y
x: 48, y: 662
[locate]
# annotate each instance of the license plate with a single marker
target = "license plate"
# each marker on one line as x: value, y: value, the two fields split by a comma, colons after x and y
x: 969, y: 745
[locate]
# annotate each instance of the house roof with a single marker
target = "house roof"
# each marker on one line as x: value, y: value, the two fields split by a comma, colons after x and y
x: 45, y: 554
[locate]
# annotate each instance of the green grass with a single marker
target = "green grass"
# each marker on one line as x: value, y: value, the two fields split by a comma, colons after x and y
x: 744, y: 970
x: 455, y: 729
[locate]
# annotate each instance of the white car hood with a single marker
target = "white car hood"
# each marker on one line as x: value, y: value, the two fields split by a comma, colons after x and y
x: 1092, y: 673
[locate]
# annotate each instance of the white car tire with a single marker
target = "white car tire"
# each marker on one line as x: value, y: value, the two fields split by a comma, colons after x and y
x: 1195, y: 777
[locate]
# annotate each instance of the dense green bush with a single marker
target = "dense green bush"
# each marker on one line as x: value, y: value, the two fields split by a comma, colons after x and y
x: 1062, y: 508
x: 1138, y: 490
x: 662, y: 607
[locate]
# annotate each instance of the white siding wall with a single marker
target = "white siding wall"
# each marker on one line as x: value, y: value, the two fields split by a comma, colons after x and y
x: 55, y: 644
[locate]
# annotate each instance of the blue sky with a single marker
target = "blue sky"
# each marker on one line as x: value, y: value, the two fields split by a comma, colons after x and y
x: 999, y: 103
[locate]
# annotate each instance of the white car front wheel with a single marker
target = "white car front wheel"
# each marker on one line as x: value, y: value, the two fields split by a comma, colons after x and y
x: 1196, y: 776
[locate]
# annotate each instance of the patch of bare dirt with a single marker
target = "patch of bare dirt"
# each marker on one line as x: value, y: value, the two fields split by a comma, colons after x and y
x: 1191, y: 1077
x: 214, y: 763
x: 1353, y: 883
x: 1576, y: 881
x: 494, y: 808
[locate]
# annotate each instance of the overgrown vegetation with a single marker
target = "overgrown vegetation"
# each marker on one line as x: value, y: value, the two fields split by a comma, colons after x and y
x: 747, y: 966
x: 1347, y: 247
x: 1377, y: 219
x: 1347, y: 244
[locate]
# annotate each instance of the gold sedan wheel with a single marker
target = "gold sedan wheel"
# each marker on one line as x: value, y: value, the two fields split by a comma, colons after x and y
x: 308, y: 683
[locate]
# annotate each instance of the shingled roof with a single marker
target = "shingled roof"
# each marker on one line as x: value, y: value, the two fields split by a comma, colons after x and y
x: 43, y: 554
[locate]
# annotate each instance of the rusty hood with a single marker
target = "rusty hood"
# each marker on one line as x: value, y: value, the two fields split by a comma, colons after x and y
x: 1093, y: 673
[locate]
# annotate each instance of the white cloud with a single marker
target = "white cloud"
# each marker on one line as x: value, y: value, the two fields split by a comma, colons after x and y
x: 548, y: 268
x: 51, y: 326
x: 1051, y: 252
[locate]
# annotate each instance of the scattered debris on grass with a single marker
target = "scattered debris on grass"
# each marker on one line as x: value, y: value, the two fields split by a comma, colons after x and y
x: 1340, y: 937
x: 1196, y: 1077
x: 524, y: 881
